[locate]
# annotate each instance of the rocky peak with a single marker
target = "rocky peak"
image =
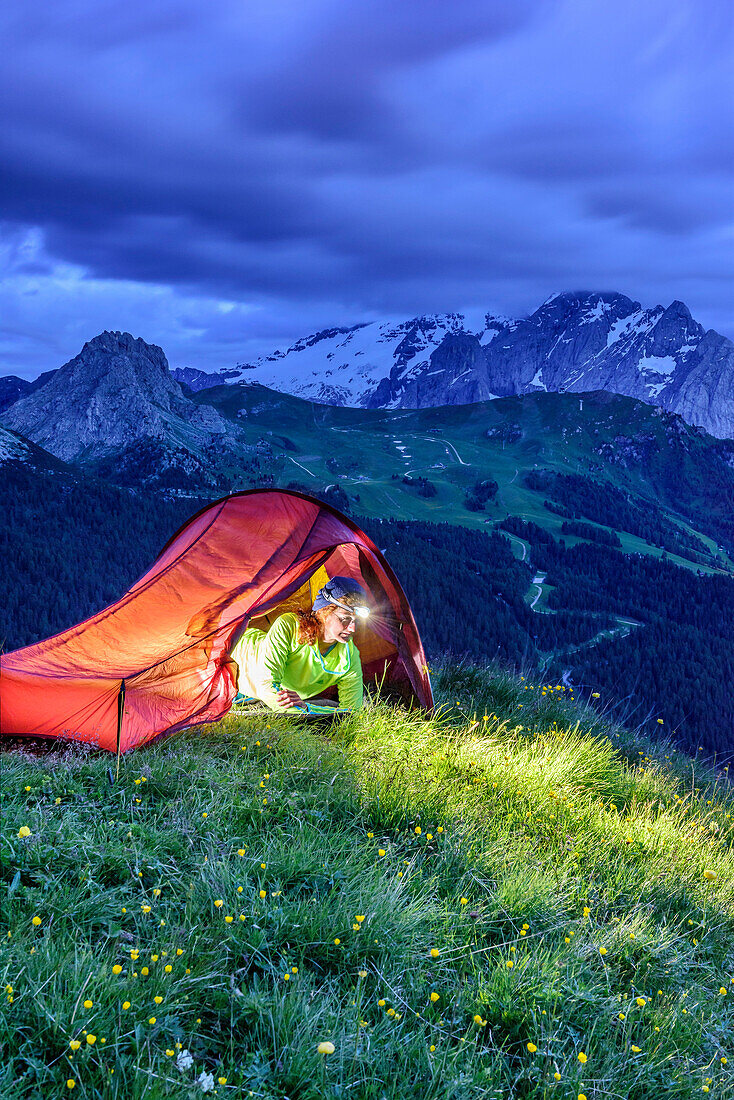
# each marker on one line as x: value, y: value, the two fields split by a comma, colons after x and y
x: 674, y: 329
x: 583, y: 306
x: 123, y: 359
x: 116, y: 391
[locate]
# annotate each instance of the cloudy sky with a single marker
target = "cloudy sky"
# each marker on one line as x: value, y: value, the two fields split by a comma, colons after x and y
x: 222, y: 178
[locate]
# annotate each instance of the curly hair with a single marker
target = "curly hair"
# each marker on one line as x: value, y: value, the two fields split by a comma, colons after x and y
x: 311, y: 623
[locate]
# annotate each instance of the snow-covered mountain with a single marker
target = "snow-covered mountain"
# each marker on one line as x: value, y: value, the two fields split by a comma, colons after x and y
x: 576, y: 340
x: 344, y: 366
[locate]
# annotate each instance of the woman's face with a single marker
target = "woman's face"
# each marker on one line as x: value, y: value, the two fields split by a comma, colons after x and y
x: 338, y: 625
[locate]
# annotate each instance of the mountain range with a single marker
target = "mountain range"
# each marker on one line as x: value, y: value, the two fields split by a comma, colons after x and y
x: 576, y: 341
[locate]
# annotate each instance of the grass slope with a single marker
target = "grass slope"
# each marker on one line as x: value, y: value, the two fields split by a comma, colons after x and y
x: 669, y: 465
x: 507, y: 900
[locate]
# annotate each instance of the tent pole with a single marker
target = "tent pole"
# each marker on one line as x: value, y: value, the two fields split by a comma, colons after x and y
x: 120, y: 712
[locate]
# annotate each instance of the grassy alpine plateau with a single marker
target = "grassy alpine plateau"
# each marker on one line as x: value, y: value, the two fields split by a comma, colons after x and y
x: 514, y: 897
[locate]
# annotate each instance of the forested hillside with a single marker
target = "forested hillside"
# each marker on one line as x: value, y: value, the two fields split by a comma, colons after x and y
x: 70, y: 545
x: 679, y: 662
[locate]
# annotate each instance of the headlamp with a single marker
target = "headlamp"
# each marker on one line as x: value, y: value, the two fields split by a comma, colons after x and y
x: 340, y: 586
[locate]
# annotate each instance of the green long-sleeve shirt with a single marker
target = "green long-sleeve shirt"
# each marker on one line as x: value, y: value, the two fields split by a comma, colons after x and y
x: 269, y: 661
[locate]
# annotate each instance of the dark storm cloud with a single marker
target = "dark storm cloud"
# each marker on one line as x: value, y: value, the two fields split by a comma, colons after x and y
x: 331, y: 161
x: 328, y: 85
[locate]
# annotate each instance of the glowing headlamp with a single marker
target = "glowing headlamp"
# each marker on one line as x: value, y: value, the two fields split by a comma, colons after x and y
x: 359, y: 612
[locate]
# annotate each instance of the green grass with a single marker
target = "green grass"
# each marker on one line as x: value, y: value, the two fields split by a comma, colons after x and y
x: 516, y: 828
x: 555, y: 432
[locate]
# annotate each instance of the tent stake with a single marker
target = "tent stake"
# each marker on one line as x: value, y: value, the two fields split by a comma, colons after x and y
x: 120, y: 712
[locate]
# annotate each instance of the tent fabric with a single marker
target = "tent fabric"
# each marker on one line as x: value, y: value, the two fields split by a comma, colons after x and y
x: 157, y: 660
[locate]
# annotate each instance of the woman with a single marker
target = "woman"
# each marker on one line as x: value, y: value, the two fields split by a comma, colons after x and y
x: 305, y: 652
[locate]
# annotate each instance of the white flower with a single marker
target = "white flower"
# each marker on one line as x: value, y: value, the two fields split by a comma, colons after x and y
x: 184, y: 1060
x: 206, y: 1080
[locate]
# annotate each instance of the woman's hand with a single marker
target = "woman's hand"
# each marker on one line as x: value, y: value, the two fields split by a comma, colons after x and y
x: 288, y: 698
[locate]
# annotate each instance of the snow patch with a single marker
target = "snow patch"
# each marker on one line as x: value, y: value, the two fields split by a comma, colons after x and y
x: 658, y: 364
x: 623, y: 327
x: 595, y: 312
x: 662, y: 366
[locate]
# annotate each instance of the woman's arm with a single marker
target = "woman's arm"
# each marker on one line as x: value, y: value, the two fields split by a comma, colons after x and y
x: 275, y: 650
x: 350, y: 685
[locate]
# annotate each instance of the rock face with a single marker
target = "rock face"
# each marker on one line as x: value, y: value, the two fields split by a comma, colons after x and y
x: 117, y: 392
x: 456, y: 374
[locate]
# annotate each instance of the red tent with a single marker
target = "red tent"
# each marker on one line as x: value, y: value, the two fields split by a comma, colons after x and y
x: 157, y: 659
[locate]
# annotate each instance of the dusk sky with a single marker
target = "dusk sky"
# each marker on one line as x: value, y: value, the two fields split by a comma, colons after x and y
x: 222, y: 178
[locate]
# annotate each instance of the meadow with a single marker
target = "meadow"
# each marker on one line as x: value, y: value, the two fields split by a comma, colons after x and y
x: 514, y: 897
